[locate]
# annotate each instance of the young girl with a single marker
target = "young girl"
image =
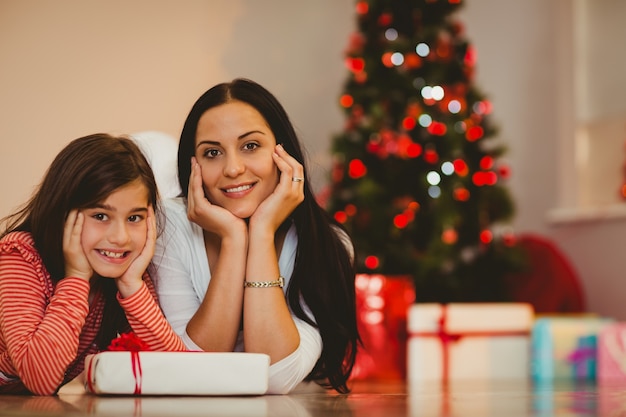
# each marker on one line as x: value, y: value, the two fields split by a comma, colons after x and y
x: 72, y: 266
x: 248, y: 260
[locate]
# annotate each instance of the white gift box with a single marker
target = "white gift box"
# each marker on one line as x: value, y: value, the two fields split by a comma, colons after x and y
x: 464, y: 341
x: 177, y: 373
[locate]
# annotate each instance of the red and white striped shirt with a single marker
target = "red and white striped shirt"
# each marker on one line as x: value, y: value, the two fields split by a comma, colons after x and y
x: 47, y: 330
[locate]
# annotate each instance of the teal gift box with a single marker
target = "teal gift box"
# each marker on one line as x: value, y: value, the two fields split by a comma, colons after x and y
x: 565, y: 347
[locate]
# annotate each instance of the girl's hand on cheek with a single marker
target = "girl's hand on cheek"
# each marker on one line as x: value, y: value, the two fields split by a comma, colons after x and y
x: 210, y: 217
x: 287, y: 195
x: 76, y: 263
x: 132, y: 279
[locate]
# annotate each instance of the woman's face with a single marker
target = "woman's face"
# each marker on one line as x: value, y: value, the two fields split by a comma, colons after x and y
x: 234, y: 147
x: 114, y: 232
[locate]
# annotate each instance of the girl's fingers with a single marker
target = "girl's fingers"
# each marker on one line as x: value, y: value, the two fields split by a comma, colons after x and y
x: 73, y: 229
x: 76, y: 263
x: 68, y: 227
x: 130, y: 281
x: 151, y: 232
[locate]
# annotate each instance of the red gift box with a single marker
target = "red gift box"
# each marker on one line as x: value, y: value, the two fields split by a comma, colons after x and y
x: 382, y: 304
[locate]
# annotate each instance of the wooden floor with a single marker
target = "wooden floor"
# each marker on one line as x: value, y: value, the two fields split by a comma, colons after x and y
x: 375, y: 399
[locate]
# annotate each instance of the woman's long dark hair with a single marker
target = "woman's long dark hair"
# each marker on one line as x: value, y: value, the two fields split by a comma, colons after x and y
x: 324, y: 271
x: 82, y: 175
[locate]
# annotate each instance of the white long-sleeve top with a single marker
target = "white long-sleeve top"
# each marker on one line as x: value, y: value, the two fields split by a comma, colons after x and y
x: 181, y: 274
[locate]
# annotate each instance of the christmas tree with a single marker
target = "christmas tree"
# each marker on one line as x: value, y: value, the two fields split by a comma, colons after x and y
x: 418, y: 176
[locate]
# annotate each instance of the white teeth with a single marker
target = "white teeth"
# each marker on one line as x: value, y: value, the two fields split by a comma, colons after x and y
x: 238, y: 189
x: 112, y: 254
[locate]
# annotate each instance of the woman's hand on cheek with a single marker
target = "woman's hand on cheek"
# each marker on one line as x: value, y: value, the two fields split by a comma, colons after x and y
x: 287, y: 195
x: 210, y: 217
x: 76, y: 263
x: 132, y: 279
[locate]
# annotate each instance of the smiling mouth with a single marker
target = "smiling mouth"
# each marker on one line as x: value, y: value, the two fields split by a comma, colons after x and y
x: 114, y: 255
x: 238, y: 189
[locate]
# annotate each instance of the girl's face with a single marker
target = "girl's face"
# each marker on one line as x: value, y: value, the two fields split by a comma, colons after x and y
x: 114, y: 232
x: 234, y: 147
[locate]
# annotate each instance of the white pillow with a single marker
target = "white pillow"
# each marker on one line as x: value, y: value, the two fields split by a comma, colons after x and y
x: 161, y: 151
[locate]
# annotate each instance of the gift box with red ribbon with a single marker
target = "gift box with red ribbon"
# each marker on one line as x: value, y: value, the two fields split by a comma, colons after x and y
x: 468, y: 341
x: 177, y: 373
x: 129, y: 368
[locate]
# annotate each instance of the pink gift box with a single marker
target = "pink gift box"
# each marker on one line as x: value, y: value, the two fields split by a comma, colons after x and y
x: 612, y: 353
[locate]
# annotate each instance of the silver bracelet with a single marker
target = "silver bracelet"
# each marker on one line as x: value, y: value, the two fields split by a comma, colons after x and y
x: 265, y: 284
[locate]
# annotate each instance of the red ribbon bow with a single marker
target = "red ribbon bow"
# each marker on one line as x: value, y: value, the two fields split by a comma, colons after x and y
x: 127, y: 342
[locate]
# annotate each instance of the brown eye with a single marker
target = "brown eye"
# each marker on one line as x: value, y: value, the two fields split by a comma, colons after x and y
x: 250, y: 146
x: 211, y: 153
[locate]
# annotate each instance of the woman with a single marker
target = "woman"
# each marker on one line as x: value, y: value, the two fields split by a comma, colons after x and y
x: 248, y: 260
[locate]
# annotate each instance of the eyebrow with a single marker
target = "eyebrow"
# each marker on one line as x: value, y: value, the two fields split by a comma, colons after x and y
x: 240, y: 137
x: 111, y: 208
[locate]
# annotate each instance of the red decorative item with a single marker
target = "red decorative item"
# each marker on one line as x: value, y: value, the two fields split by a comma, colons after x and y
x: 382, y: 306
x: 129, y: 342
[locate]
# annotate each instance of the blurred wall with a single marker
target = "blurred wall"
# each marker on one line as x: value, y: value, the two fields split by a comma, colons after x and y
x: 71, y: 68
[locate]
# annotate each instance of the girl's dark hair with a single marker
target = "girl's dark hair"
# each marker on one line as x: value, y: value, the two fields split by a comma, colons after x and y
x: 82, y: 175
x: 324, y: 272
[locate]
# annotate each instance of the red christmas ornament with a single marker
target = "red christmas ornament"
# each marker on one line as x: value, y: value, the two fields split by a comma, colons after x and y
x: 414, y: 150
x: 460, y: 167
x: 362, y: 7
x: 504, y: 171
x: 356, y: 168
x: 481, y: 178
x: 474, y: 133
x: 486, y: 162
x: 437, y: 128
x: 430, y: 156
x: 490, y: 178
x: 449, y: 236
x: 341, y: 217
x: 346, y: 100
x: 412, y: 61
x: 401, y: 221
x: 385, y: 19
x: 386, y: 59
x: 371, y: 262
x: 470, y: 57
x: 409, y: 123
x: 355, y: 64
x: 486, y: 236
x: 461, y: 194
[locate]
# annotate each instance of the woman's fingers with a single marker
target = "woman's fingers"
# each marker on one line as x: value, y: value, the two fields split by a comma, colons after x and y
x: 291, y: 170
